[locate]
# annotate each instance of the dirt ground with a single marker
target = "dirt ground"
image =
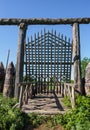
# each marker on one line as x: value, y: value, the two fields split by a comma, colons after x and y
x: 45, y: 105
x: 46, y: 127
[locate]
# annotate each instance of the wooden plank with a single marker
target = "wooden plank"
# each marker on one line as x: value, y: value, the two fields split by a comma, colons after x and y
x: 21, y: 97
x: 69, y: 90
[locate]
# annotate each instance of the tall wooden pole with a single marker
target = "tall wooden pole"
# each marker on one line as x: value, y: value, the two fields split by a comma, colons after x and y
x: 79, y: 61
x: 20, y: 57
x: 7, y: 58
x: 76, y: 55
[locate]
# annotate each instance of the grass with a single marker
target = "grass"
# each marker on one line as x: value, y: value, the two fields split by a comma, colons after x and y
x: 76, y: 119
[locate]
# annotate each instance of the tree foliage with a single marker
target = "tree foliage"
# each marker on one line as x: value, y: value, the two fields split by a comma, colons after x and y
x: 84, y: 63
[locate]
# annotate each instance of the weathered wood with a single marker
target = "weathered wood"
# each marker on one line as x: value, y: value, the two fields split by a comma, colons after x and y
x: 7, y: 58
x: 2, y: 76
x: 69, y: 90
x: 73, y: 97
x: 34, y: 21
x: 21, y: 97
x: 20, y: 57
x: 76, y: 55
x: 9, y: 81
x: 26, y: 91
x: 62, y: 90
x: 79, y: 59
x: 74, y: 37
x: 87, y: 79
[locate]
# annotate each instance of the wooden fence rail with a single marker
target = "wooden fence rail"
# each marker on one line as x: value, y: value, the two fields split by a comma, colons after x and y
x: 68, y: 89
x: 25, y: 92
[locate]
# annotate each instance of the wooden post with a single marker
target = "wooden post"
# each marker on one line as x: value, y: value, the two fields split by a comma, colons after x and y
x: 9, y: 81
x: 76, y: 55
x: 21, y: 96
x: 2, y: 76
x: 62, y: 89
x: 73, y: 97
x: 20, y: 57
x: 79, y: 62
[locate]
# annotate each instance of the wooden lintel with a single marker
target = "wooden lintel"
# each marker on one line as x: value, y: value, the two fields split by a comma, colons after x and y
x: 40, y: 21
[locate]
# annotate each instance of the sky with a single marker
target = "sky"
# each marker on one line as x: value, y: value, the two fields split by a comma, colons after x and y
x: 42, y: 9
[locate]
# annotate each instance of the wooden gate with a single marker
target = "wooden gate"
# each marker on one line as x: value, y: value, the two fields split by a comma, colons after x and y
x: 47, y: 61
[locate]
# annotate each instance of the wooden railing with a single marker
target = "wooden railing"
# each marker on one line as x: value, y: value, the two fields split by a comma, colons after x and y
x: 68, y: 89
x: 25, y: 92
x: 27, y: 89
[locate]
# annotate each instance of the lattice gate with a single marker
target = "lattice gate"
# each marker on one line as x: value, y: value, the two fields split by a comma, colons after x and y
x: 47, y: 61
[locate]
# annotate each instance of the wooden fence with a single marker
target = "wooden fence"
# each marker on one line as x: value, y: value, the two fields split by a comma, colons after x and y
x: 27, y: 91
x: 68, y: 89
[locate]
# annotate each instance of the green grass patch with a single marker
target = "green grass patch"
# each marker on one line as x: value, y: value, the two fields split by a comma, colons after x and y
x: 14, y: 119
x: 66, y: 101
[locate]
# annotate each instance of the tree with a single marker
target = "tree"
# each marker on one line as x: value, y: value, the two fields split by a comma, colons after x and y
x: 84, y: 63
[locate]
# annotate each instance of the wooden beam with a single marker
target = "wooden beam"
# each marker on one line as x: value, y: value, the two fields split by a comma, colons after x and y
x: 79, y: 60
x: 74, y: 37
x: 76, y: 55
x: 20, y: 58
x: 40, y: 21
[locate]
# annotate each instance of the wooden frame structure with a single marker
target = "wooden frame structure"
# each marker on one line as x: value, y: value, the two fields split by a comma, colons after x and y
x: 48, y: 21
x: 23, y: 24
x: 48, y: 61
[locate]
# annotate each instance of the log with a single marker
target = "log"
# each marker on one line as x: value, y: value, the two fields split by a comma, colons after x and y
x: 2, y: 76
x: 76, y: 55
x: 20, y: 58
x: 74, y: 37
x: 9, y: 81
x: 47, y: 21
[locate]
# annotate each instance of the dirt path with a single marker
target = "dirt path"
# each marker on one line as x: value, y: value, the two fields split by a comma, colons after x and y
x: 45, y: 104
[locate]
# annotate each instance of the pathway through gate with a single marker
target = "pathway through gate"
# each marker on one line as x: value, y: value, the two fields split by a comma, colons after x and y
x: 47, y: 60
x: 45, y: 104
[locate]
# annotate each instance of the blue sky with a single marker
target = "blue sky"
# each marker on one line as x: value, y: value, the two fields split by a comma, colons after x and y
x: 42, y: 9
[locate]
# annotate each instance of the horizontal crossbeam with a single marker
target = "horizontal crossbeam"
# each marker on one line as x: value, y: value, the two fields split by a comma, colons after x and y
x: 40, y: 21
x: 63, y: 63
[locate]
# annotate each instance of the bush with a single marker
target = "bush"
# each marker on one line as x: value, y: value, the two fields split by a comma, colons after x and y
x: 67, y: 101
x: 11, y: 119
x: 78, y: 118
x: 14, y: 119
